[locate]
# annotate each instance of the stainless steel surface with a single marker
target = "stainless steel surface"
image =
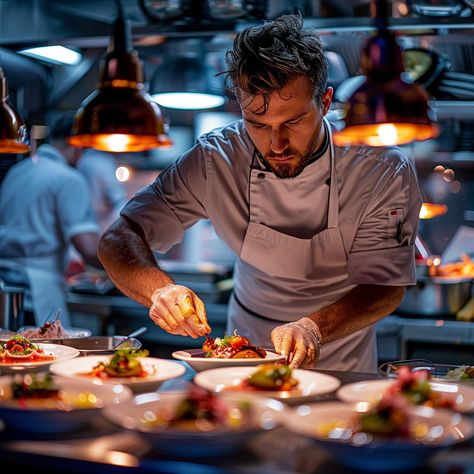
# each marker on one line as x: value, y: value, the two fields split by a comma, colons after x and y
x: 11, y: 306
x: 98, y: 345
x: 436, y: 296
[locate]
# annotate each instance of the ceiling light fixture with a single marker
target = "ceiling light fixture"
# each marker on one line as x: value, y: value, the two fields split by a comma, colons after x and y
x: 56, y: 54
x: 385, y: 109
x: 13, y: 132
x: 119, y: 116
x: 185, y: 81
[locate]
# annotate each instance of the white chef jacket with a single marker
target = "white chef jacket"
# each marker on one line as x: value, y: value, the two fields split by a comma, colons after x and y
x: 43, y: 204
x: 283, y: 270
x: 108, y: 195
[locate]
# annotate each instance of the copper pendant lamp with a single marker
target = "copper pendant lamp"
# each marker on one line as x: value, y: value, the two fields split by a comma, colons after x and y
x: 119, y: 116
x: 13, y: 133
x: 385, y: 109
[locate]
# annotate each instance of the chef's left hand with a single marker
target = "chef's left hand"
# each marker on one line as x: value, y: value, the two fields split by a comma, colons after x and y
x: 298, y: 341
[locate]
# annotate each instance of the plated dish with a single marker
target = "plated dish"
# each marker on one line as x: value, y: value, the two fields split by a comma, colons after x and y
x: 232, y: 347
x: 196, y: 423
x: 418, y: 392
x: 34, y: 334
x: 41, y: 403
x: 151, y: 375
x: 437, y: 372
x: 309, y: 384
x: 197, y: 359
x: 339, y: 429
x: 19, y: 353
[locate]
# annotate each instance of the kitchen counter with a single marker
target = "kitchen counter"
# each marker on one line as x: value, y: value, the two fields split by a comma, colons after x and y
x: 105, y: 448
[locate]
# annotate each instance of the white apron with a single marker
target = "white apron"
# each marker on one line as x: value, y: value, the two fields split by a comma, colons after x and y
x: 313, y: 267
x: 47, y: 287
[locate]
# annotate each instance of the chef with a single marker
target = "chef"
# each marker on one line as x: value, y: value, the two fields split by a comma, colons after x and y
x: 45, y: 207
x: 323, y: 235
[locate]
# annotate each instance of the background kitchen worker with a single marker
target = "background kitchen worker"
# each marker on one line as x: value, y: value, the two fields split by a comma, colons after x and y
x: 323, y: 235
x: 44, y: 207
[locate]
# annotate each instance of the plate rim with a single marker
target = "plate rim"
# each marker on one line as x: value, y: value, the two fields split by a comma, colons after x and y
x: 61, y: 347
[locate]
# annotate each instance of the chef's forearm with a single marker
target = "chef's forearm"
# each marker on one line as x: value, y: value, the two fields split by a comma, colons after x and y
x: 130, y: 263
x: 362, y: 306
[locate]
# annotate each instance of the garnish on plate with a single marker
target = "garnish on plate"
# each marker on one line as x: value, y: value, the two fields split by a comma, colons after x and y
x: 20, y: 349
x: 202, y: 410
x: 123, y: 363
x: 416, y: 387
x: 232, y: 347
x: 464, y: 372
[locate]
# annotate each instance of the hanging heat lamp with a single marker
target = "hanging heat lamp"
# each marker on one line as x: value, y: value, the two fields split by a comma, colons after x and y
x: 119, y: 116
x: 13, y: 133
x: 385, y: 109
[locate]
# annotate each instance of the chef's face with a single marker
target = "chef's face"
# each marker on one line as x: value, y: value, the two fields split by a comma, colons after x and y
x: 291, y: 129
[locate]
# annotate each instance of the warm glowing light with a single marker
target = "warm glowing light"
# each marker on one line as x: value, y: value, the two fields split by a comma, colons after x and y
x: 388, y: 134
x: 120, y: 142
x: 429, y: 210
x: 188, y: 100
x: 383, y: 134
x: 122, y: 173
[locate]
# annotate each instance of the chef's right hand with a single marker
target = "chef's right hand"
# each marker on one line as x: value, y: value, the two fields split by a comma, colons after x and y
x: 178, y: 310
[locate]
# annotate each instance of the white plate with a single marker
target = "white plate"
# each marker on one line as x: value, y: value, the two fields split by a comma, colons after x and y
x: 443, y: 427
x: 160, y: 370
x: 195, y: 358
x: 62, y: 353
x: 47, y: 416
x: 135, y: 415
x: 372, y: 391
x: 311, y: 383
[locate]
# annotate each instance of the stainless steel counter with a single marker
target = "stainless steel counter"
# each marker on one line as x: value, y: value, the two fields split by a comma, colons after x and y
x: 104, y: 448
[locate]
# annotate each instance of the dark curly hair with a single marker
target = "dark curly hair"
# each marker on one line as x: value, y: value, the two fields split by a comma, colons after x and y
x: 265, y: 58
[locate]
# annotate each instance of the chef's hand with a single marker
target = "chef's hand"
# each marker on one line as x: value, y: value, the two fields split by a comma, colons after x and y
x: 299, y: 341
x: 178, y: 310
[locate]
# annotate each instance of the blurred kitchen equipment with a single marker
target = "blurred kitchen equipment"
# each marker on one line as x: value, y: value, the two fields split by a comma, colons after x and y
x: 12, y: 314
x: 436, y: 8
x: 425, y: 66
x: 98, y: 345
x: 137, y: 332
x: 436, y: 296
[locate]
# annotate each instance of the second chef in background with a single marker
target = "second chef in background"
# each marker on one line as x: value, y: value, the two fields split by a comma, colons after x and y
x: 323, y: 235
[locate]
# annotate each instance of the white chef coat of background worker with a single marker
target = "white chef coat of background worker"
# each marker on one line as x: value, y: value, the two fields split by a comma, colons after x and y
x: 344, y: 226
x: 44, y: 206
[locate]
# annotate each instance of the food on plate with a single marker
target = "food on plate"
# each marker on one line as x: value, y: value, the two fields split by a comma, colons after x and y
x: 201, y: 410
x: 464, y: 372
x: 41, y: 391
x: 49, y: 330
x: 232, y: 347
x: 415, y: 386
x: 389, y: 418
x: 123, y: 363
x: 20, y: 349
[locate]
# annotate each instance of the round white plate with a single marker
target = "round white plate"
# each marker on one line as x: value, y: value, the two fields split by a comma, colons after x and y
x: 136, y: 415
x: 443, y: 428
x: 53, y: 416
x: 372, y: 391
x: 195, y: 358
x: 62, y: 353
x: 311, y: 383
x: 159, y: 371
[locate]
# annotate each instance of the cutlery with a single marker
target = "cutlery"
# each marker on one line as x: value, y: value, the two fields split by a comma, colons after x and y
x: 132, y: 334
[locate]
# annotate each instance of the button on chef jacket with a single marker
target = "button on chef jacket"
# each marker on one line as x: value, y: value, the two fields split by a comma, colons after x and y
x: 297, y: 249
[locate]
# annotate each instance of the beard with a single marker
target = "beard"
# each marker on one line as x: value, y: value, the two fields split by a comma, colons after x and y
x: 287, y: 170
x: 296, y: 167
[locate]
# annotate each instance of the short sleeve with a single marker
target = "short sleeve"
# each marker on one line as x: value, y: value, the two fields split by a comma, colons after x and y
x: 173, y: 202
x: 383, y: 251
x: 75, y: 212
